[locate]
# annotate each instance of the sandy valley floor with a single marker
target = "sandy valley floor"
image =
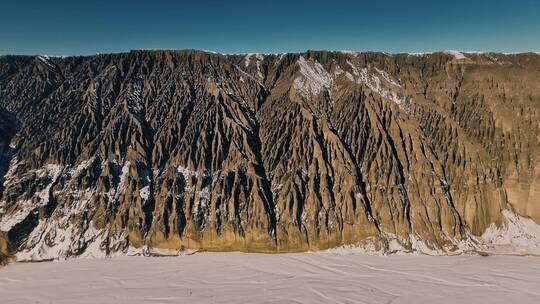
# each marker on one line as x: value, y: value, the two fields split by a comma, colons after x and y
x: 284, y: 278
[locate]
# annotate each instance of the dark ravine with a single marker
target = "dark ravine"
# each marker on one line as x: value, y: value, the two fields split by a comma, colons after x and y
x: 264, y: 153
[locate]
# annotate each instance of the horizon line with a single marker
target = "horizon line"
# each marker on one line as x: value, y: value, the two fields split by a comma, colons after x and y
x: 277, y: 53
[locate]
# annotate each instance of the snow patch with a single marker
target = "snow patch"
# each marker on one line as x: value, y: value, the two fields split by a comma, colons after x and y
x: 338, y: 71
x: 8, y: 222
x: 281, y: 56
x: 249, y: 76
x: 123, y: 176
x: 373, y: 82
x: 186, y: 173
x: 419, y: 54
x: 52, y: 240
x: 368, y: 248
x: 457, y: 55
x: 201, y: 206
x: 46, y: 60
x: 94, y: 248
x: 259, y: 59
x: 349, y: 52
x: 516, y: 234
x: 47, y: 241
x: 13, y: 165
x: 145, y: 192
x: 160, y: 252
x: 387, y: 77
x: 314, y: 78
x: 53, y: 172
x: 247, y: 59
x: 188, y: 177
x: 76, y: 170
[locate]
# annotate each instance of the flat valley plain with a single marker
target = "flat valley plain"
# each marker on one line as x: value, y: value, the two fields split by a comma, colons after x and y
x: 337, y: 276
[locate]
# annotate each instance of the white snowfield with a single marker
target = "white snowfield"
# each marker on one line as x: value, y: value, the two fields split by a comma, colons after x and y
x: 276, y: 278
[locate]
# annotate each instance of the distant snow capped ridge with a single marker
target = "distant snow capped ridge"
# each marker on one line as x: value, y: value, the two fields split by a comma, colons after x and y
x: 166, y: 151
x: 457, y: 54
x: 350, y: 52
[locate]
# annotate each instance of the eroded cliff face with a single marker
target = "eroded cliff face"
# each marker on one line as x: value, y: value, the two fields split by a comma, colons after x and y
x: 272, y: 153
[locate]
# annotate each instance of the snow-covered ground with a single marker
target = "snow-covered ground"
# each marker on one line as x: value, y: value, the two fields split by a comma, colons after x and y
x: 323, y: 277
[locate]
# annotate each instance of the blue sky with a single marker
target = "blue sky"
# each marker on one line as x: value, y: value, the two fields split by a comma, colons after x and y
x: 86, y: 27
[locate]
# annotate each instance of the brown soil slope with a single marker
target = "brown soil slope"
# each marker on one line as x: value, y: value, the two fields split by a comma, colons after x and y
x: 285, y: 152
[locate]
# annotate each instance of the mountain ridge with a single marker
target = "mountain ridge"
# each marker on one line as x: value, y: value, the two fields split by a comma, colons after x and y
x: 278, y: 53
x: 273, y: 153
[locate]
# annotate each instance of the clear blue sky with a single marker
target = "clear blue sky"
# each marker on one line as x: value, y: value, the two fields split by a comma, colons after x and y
x: 72, y: 27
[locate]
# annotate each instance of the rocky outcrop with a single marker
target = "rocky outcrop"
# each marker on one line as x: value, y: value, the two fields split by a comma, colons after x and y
x: 266, y: 153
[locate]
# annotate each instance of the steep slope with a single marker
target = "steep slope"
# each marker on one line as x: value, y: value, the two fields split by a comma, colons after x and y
x: 286, y: 152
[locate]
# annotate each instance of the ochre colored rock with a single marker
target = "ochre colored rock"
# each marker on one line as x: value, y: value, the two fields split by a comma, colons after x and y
x: 273, y: 153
